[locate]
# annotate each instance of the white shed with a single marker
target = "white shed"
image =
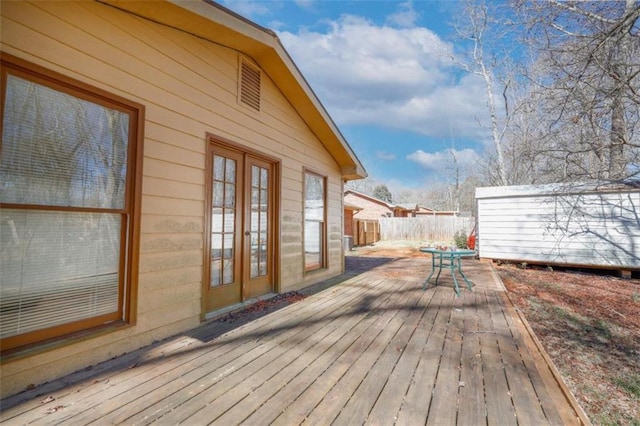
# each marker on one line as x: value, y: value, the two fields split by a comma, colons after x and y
x: 574, y: 225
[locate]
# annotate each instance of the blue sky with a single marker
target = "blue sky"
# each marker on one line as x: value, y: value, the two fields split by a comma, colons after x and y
x: 384, y: 72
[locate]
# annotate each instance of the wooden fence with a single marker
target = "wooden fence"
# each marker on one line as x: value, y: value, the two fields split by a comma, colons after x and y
x: 365, y: 232
x: 426, y: 228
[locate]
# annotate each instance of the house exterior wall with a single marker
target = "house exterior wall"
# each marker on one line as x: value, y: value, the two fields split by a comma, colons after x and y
x: 189, y: 88
x: 550, y: 225
x: 348, y: 222
x: 371, y: 210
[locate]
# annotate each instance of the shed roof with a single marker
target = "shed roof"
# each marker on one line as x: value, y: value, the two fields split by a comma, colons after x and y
x: 215, y: 23
x: 556, y: 189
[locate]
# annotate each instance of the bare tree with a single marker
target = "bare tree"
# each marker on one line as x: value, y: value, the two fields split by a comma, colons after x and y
x: 364, y: 186
x: 479, y: 28
x: 588, y: 86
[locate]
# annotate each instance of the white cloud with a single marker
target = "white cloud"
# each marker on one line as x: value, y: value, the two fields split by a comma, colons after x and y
x: 401, y: 78
x: 405, y: 17
x: 444, y: 160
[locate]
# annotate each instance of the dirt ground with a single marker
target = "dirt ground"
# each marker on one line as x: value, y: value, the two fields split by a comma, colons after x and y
x: 589, y: 325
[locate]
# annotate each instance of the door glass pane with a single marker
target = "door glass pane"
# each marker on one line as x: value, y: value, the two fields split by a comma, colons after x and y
x: 263, y: 255
x: 229, y: 195
x: 254, y: 255
x: 259, y: 225
x: 228, y: 246
x: 227, y: 273
x: 223, y: 219
x: 255, y: 176
x: 229, y: 220
x: 218, y: 168
x: 230, y: 170
x: 255, y: 272
x: 218, y: 194
x: 216, y: 273
x: 216, y: 246
x: 216, y: 220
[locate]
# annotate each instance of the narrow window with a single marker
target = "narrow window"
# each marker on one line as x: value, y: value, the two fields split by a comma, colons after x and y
x: 314, y: 221
x: 67, y: 167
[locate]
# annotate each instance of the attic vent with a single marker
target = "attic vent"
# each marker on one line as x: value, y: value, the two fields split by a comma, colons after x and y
x: 249, y: 85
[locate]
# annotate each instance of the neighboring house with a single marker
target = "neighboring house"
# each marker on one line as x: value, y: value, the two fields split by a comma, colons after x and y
x: 372, y: 208
x: 415, y: 210
x: 426, y: 211
x: 574, y: 225
x: 349, y: 211
x: 160, y: 161
x: 409, y: 209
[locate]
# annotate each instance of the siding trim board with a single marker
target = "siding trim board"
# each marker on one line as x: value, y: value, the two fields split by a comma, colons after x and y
x: 582, y: 225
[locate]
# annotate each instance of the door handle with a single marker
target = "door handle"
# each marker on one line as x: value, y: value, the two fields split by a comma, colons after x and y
x: 247, y: 233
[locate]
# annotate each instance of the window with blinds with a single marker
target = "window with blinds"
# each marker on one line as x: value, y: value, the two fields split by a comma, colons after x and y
x: 66, y: 186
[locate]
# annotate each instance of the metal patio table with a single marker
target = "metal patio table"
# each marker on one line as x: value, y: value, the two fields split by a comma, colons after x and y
x: 449, y: 259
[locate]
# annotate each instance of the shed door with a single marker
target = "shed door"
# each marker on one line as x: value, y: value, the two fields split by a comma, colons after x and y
x: 240, y: 212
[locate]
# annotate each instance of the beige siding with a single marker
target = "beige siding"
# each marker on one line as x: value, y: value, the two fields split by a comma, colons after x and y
x: 188, y: 86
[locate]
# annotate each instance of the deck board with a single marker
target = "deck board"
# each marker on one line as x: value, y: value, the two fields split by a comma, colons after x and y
x: 415, y: 407
x: 385, y: 327
x: 374, y: 349
x: 525, y: 400
x: 388, y: 405
x: 357, y: 410
x: 238, y: 376
x: 471, y: 401
x: 500, y: 410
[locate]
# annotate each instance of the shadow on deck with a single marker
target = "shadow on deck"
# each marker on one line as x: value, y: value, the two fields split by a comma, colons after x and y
x: 367, y: 347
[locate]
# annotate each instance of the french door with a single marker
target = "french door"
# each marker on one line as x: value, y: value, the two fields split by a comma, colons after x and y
x: 239, y: 261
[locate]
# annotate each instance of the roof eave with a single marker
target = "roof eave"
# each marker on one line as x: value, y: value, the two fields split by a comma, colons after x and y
x: 213, y: 22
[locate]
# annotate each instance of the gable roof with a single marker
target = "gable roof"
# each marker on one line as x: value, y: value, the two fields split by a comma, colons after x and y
x: 215, y: 23
x: 409, y: 206
x: 371, y: 198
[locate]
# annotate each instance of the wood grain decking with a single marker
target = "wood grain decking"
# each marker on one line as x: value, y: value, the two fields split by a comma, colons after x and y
x: 373, y: 349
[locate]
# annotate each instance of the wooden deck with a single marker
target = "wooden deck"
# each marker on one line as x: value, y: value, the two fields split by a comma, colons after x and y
x: 373, y: 349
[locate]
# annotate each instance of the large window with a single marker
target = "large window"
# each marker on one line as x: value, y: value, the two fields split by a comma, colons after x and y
x: 67, y: 168
x: 314, y: 221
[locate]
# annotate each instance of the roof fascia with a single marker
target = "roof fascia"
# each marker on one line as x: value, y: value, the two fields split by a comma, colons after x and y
x: 373, y: 199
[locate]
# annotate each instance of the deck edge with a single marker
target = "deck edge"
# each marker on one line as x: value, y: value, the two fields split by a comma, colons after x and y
x: 555, y: 373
